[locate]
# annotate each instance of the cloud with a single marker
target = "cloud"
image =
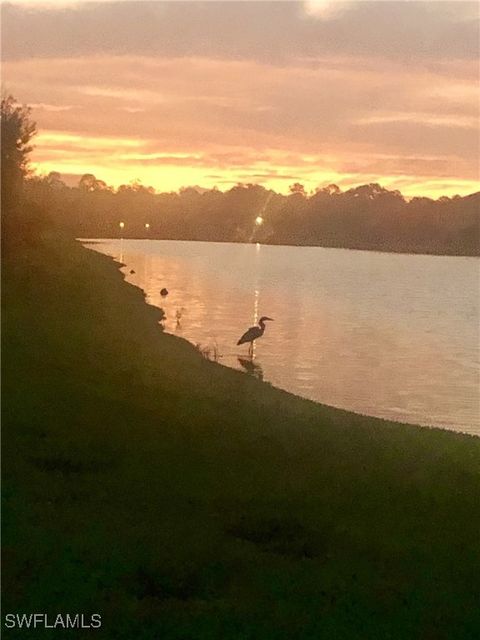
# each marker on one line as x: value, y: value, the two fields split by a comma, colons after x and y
x: 42, y: 106
x: 270, y: 32
x: 326, y: 9
x: 191, y: 117
x: 181, y: 92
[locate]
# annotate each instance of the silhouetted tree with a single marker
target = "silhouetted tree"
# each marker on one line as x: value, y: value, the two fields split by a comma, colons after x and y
x: 331, y: 189
x: 87, y: 182
x: 17, y: 130
x: 365, y: 217
x: 23, y: 218
x: 297, y: 188
x: 54, y: 180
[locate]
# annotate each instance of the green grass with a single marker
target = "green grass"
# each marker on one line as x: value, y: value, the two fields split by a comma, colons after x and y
x: 183, y: 500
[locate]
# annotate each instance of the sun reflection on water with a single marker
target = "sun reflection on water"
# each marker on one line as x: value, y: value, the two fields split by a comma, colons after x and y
x: 340, y: 337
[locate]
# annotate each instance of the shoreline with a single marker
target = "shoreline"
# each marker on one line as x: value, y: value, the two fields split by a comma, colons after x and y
x: 446, y: 421
x: 299, y: 246
x: 184, y: 499
x: 332, y: 406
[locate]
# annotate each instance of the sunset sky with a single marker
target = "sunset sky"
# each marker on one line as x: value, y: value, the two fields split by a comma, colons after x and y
x: 215, y: 93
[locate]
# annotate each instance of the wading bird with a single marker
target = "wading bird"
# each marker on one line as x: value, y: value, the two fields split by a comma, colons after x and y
x: 253, y: 333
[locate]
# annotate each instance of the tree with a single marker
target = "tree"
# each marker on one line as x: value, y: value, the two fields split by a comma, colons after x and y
x: 54, y: 180
x: 17, y: 131
x: 87, y: 182
x: 23, y: 220
x: 297, y: 188
x: 331, y: 189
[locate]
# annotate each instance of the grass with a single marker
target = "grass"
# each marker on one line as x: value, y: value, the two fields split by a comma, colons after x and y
x: 183, y: 500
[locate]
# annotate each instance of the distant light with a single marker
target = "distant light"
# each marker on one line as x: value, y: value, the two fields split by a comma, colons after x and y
x: 121, y: 225
x: 147, y: 226
x: 258, y: 220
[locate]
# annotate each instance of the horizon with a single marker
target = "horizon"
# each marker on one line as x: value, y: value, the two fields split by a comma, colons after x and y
x: 176, y: 94
x: 72, y: 181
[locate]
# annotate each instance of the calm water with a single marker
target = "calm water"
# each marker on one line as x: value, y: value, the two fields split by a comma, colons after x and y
x: 388, y: 335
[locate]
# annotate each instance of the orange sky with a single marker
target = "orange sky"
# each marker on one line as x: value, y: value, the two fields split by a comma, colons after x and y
x: 215, y: 93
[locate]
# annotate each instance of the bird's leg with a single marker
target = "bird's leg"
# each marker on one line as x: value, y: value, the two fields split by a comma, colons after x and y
x: 250, y: 349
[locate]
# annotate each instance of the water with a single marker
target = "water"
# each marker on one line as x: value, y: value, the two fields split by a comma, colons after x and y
x: 388, y: 335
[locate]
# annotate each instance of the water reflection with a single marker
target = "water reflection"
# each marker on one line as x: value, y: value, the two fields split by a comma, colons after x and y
x: 251, y: 367
x: 178, y: 318
x: 389, y: 335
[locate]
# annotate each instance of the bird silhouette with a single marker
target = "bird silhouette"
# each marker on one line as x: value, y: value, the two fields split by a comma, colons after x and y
x: 254, y: 333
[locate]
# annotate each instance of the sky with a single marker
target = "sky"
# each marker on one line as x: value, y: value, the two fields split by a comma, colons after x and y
x: 177, y: 94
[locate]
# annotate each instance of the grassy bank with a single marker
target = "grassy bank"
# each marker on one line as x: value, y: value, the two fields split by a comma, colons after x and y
x: 183, y: 500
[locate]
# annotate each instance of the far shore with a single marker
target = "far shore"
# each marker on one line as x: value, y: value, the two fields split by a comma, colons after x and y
x: 420, y: 252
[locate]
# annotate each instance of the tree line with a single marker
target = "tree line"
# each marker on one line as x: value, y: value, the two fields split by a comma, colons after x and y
x: 363, y: 217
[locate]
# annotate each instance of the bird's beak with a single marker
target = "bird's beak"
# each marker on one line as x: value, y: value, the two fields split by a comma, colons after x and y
x: 269, y: 319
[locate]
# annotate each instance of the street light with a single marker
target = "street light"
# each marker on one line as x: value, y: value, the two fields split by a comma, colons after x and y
x: 258, y: 221
x: 147, y: 226
x: 122, y: 225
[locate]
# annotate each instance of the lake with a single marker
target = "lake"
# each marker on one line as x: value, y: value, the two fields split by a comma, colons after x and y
x: 388, y: 335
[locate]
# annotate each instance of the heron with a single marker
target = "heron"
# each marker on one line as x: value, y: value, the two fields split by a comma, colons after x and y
x: 254, y: 332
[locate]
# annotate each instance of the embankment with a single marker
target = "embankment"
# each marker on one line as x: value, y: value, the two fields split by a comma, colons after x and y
x: 180, y: 499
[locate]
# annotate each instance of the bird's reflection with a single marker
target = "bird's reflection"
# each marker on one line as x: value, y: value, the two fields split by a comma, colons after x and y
x: 251, y: 367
